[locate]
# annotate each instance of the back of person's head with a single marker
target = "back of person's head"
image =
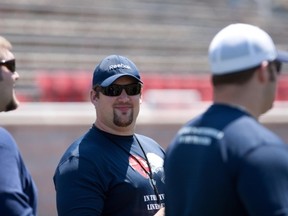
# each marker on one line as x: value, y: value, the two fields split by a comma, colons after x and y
x: 238, y: 50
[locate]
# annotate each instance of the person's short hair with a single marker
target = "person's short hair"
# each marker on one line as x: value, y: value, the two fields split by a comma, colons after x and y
x: 4, y: 43
x: 4, y: 46
x: 236, y: 78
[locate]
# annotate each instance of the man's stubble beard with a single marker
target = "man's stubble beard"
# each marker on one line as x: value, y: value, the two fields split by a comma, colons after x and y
x: 120, y: 123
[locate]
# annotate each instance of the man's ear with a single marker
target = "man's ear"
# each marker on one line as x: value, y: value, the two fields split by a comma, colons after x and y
x: 262, y: 72
x: 141, y: 98
x: 94, y: 96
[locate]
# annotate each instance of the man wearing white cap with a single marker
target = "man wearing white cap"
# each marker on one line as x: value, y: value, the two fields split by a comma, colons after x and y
x: 224, y: 162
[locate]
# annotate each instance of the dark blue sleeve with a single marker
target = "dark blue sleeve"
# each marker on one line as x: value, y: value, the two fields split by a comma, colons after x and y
x: 79, y: 188
x: 263, y: 181
x: 13, y: 200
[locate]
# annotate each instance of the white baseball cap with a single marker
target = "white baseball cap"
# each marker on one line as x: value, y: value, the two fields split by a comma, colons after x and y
x: 242, y: 46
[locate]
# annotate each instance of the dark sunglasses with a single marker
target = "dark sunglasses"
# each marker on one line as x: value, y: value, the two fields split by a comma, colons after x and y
x: 278, y: 66
x: 116, y: 90
x: 10, y: 64
x: 275, y: 65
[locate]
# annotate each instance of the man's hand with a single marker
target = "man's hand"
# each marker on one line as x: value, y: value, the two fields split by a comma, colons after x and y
x: 161, y: 212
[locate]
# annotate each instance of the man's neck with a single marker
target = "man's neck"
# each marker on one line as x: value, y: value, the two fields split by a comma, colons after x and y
x: 121, y: 131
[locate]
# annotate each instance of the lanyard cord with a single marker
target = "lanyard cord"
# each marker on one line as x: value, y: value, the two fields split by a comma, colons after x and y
x: 149, y: 173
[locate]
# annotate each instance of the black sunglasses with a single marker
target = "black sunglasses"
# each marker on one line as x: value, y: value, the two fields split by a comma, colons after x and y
x: 116, y: 90
x: 10, y: 64
x: 278, y: 65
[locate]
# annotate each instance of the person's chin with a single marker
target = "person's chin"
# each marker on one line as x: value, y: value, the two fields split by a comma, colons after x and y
x: 14, y: 103
x: 269, y: 107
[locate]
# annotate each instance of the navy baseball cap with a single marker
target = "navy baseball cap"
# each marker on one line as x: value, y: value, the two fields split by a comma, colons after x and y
x: 113, y: 67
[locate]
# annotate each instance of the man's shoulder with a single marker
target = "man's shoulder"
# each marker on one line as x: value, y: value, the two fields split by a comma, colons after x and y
x: 7, y: 142
x: 4, y: 132
x: 6, y: 136
x: 146, y: 139
x: 250, y: 129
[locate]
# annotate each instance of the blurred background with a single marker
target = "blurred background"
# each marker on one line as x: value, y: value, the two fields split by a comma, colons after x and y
x: 58, y: 44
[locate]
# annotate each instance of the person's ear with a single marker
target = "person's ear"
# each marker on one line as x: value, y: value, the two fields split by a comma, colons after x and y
x: 94, y: 96
x: 262, y: 72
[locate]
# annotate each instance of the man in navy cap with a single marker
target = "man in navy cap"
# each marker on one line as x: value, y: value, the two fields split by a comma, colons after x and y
x: 110, y: 170
x: 224, y: 162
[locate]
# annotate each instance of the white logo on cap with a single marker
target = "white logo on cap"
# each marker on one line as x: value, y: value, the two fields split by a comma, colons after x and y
x: 118, y: 66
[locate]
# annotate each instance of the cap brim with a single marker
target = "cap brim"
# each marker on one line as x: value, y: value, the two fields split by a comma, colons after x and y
x: 282, y: 56
x: 112, y: 79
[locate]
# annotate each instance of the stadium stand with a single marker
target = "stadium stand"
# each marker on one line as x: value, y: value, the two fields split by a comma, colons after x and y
x: 58, y: 44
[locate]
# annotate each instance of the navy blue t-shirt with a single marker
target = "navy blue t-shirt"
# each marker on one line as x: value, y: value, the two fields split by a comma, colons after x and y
x: 18, y: 193
x: 226, y: 163
x: 103, y: 174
